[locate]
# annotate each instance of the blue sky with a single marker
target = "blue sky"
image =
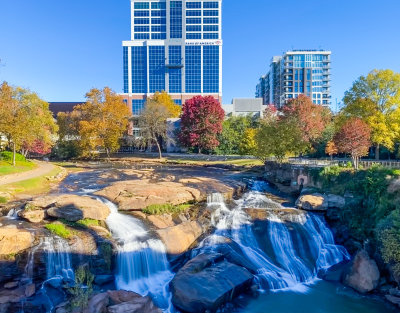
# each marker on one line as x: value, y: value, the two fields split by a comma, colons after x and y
x: 61, y: 49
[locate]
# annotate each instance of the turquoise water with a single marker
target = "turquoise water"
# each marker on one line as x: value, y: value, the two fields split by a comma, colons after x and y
x: 322, y: 297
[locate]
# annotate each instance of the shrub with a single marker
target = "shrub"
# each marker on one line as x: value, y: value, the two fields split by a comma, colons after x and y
x: 3, y: 200
x: 87, y: 222
x: 83, y: 288
x: 8, y: 156
x: 59, y: 230
x: 158, y: 209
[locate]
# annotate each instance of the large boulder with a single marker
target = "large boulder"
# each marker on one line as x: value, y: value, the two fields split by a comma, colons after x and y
x: 33, y: 216
x: 314, y: 202
x: 335, y: 273
x: 335, y: 201
x: 179, y: 238
x: 362, y: 274
x: 139, y: 194
x: 69, y: 207
x: 14, y: 241
x: 207, y: 282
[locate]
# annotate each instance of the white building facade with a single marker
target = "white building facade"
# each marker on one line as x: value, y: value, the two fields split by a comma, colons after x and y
x: 175, y: 46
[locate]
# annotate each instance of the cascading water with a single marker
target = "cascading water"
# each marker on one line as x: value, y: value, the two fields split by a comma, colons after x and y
x: 298, y: 245
x: 142, y: 264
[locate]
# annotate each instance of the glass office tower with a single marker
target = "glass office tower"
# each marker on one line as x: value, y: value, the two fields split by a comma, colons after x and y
x: 175, y: 46
x: 297, y: 72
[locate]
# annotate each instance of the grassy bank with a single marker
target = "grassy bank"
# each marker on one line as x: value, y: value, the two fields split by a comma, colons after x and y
x: 7, y: 168
x: 35, y: 186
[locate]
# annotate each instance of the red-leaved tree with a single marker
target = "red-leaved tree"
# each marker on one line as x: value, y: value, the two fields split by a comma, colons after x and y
x: 311, y: 118
x: 201, y: 122
x: 354, y: 138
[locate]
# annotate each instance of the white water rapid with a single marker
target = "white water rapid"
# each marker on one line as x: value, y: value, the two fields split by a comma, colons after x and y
x: 288, y: 252
x: 142, y: 264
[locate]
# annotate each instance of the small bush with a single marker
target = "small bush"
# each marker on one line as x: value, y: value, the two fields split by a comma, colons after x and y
x: 158, y: 209
x: 83, y: 288
x: 3, y: 200
x: 8, y: 156
x: 59, y: 230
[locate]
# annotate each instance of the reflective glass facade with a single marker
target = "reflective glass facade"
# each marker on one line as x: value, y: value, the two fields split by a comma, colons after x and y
x: 176, y: 46
x: 137, y: 106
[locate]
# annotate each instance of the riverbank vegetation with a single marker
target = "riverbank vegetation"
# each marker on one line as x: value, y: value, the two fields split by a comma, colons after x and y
x: 21, y: 164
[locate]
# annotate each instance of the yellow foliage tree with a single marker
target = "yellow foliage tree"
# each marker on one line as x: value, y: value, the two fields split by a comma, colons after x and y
x: 248, y: 143
x: 376, y: 100
x: 331, y: 148
x: 163, y: 98
x: 103, y: 120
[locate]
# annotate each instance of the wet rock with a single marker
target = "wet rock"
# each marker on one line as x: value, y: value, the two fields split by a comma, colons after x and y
x: 207, y: 282
x: 11, y: 285
x: 314, y: 202
x: 68, y: 213
x: 30, y: 290
x: 103, y: 279
x: 33, y: 216
x: 161, y: 221
x: 13, y: 241
x: 335, y: 201
x: 362, y: 274
x: 334, y: 273
x: 394, y: 292
x: 98, y: 303
x: 393, y: 299
x: 179, y: 238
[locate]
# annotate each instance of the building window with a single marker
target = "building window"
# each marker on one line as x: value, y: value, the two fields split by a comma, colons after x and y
x: 158, y: 36
x: 158, y: 5
x: 210, y: 36
x: 193, y: 36
x: 210, y: 5
x: 156, y: 68
x: 178, y: 101
x: 162, y: 13
x: 142, y: 29
x: 142, y: 13
x: 193, y: 5
x: 175, y: 74
x: 210, y: 28
x: 126, y: 78
x: 141, y: 21
x: 193, y: 20
x: 139, y: 69
x: 176, y: 19
x: 210, y: 13
x: 210, y: 20
x: 159, y: 21
x: 137, y: 106
x: 193, y: 28
x: 211, y: 69
x: 141, y: 5
x: 193, y: 69
x: 142, y: 36
x: 193, y: 13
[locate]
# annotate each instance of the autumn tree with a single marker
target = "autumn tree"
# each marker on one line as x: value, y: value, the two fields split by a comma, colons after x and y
x: 102, y: 121
x: 331, y: 149
x: 310, y: 118
x: 247, y: 145
x: 174, y: 110
x: 26, y: 120
x: 354, y: 138
x: 375, y: 99
x: 153, y: 123
x: 201, y: 123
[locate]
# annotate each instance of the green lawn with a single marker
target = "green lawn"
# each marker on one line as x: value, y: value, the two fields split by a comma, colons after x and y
x: 21, y: 166
x: 34, y: 186
x: 238, y: 162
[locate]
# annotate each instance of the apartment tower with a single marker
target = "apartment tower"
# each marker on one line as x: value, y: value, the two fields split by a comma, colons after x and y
x: 297, y: 72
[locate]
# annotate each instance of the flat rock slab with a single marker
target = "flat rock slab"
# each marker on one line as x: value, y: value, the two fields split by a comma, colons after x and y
x: 13, y: 240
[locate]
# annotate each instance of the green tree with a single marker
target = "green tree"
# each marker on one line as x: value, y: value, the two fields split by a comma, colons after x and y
x: 102, y: 121
x: 153, y: 124
x: 25, y: 119
x: 233, y: 129
x: 376, y: 100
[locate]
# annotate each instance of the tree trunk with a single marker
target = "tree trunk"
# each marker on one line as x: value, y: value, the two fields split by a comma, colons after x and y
x: 159, y: 149
x: 14, y: 153
x: 199, y: 150
x: 377, y: 152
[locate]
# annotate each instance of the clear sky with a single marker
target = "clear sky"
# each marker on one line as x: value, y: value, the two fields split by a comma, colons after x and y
x: 61, y: 49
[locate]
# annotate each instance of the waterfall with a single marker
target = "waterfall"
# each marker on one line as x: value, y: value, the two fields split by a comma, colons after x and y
x: 13, y: 213
x: 142, y: 264
x: 58, y: 258
x: 288, y: 253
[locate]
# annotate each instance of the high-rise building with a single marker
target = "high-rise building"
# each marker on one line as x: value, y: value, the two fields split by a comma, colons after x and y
x: 175, y: 46
x: 297, y: 72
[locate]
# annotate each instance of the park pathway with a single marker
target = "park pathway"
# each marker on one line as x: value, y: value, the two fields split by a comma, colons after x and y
x: 42, y: 169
